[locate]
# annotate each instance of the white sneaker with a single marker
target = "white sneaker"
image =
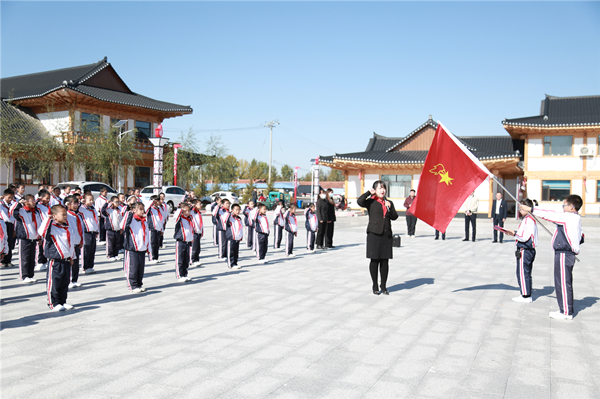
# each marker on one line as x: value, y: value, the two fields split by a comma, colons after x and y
x: 42, y: 267
x: 76, y: 284
x: 236, y: 267
x: 560, y: 316
x: 89, y: 271
x: 142, y: 289
x: 290, y: 255
x: 67, y: 306
x: 136, y: 291
x: 522, y: 299
x: 188, y: 278
x: 182, y: 279
x: 32, y: 280
x: 157, y: 261
x: 262, y: 261
x: 58, y: 308
x: 121, y: 251
x: 26, y: 280
x: 71, y: 286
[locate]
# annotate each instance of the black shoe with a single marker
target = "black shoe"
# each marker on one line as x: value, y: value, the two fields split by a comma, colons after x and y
x: 375, y: 291
x: 473, y: 240
x: 384, y: 291
x: 495, y: 241
x: 501, y: 242
x: 466, y: 239
x: 437, y: 238
x: 444, y: 238
x: 320, y: 247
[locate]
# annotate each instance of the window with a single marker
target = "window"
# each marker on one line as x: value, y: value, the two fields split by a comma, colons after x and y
x: 558, y: 145
x: 143, y: 130
x: 555, y: 190
x: 142, y: 176
x: 398, y: 185
x: 147, y: 190
x: 175, y: 190
x: 90, y: 122
x: 25, y: 175
x: 597, y: 190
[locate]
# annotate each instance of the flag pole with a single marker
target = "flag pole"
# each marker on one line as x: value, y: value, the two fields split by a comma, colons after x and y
x: 517, y: 201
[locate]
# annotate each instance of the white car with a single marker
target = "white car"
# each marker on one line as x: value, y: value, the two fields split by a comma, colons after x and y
x: 173, y: 195
x: 226, y: 194
x: 93, y: 186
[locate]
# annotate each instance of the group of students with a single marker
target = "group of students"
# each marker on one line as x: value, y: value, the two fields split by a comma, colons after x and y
x: 228, y: 229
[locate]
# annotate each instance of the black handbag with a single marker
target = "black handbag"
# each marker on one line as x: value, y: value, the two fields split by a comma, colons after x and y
x: 396, y: 240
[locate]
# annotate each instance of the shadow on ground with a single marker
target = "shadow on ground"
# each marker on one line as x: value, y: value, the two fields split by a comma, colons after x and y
x: 407, y: 285
x: 34, y: 319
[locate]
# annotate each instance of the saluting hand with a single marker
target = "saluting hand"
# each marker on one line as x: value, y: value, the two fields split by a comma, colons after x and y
x: 372, y: 191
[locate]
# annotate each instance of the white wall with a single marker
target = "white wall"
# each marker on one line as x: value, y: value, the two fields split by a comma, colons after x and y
x: 577, y: 187
x: 369, y: 180
x: 534, y: 189
x: 535, y: 148
x: 555, y: 164
x: 415, y: 181
x: 590, y: 188
x: 593, y: 163
x: 55, y: 122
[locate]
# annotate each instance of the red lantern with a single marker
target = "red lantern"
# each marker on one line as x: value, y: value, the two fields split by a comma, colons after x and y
x: 158, y: 132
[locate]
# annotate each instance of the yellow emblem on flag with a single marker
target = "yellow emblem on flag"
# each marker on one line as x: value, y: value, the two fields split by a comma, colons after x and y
x: 442, y: 173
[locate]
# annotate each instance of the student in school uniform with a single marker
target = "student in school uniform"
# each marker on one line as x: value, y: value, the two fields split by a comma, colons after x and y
x: 43, y: 204
x: 222, y: 218
x: 234, y: 234
x: 566, y: 243
x: 527, y: 241
x: 58, y: 248
x: 214, y: 210
x: 19, y: 192
x: 291, y: 230
x: 156, y: 225
x: 196, y: 213
x: 138, y: 196
x: 184, y: 236
x: 262, y: 233
x: 6, y: 204
x: 99, y: 204
x: 112, y: 224
x: 27, y: 222
x: 278, y: 225
x: 76, y: 229
x: 3, y: 241
x: 164, y: 208
x: 90, y: 232
x: 136, y: 243
x: 55, y: 198
x: 249, y: 226
x: 122, y: 210
x: 40, y: 188
x: 66, y: 192
x: 312, y: 224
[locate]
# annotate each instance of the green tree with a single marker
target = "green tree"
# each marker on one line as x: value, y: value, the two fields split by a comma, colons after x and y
x: 248, y: 191
x: 287, y: 172
x: 336, y: 175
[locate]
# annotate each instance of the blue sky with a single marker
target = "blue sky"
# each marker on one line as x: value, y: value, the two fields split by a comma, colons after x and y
x: 332, y: 73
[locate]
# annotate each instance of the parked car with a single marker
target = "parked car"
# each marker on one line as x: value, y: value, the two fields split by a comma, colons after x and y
x: 226, y: 194
x: 206, y: 200
x: 173, y: 195
x: 93, y: 186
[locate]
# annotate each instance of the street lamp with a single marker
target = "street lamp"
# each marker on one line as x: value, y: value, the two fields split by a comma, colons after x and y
x: 159, y: 142
x: 119, y: 125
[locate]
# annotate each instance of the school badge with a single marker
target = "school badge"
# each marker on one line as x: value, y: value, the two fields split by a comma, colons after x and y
x: 440, y: 171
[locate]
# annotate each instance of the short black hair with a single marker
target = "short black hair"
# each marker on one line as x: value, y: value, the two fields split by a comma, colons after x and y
x: 226, y: 200
x: 235, y: 206
x: 184, y: 205
x: 412, y: 189
x: 261, y: 205
x: 29, y: 196
x: 56, y: 188
x: 57, y: 208
x: 114, y: 197
x: 20, y: 185
x: 154, y: 198
x: 379, y: 183
x: 8, y: 191
x: 527, y: 202
x: 71, y: 198
x: 43, y: 193
x: 574, y: 200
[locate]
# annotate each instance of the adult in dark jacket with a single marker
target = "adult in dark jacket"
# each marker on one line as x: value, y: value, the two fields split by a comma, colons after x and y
x: 379, y: 233
x: 322, y: 217
x: 499, y: 212
x: 330, y: 219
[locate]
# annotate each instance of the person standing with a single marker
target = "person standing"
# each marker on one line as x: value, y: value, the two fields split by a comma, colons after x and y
x: 499, y: 212
x: 330, y: 219
x: 322, y: 217
x: 379, y: 233
x: 470, y: 206
x: 411, y: 220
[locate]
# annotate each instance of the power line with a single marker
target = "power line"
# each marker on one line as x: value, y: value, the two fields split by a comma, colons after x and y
x: 216, y: 130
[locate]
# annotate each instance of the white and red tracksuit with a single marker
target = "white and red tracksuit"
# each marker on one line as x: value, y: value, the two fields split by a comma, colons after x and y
x: 136, y: 244
x: 184, y: 236
x: 58, y: 248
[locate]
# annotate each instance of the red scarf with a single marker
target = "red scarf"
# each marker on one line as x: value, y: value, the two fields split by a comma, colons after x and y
x: 382, y: 202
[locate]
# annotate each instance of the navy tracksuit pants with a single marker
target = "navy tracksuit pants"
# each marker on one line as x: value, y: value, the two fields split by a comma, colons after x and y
x: 41, y: 259
x: 154, y: 244
x: 58, y: 275
x: 222, y: 240
x: 27, y: 252
x: 289, y: 242
x: 11, y: 239
x: 102, y: 235
x: 196, y: 248
x: 262, y: 244
x: 524, y: 267
x: 112, y: 243
x: 310, y: 240
x: 182, y: 258
x: 134, y: 263
x: 88, y: 252
x: 563, y: 280
x: 278, y: 230
x: 250, y: 237
x: 233, y: 250
x: 75, y: 266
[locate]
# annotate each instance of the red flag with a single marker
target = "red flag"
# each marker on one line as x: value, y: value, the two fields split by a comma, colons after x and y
x: 450, y: 174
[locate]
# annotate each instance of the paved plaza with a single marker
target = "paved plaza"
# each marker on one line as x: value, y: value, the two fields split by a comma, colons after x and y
x: 310, y: 327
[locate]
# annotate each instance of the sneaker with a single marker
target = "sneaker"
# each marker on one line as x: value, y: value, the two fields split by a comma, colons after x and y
x: 32, y: 280
x: 26, y: 280
x: 188, y: 278
x: 290, y: 255
x: 42, y: 267
x: 76, y: 284
x: 58, y: 308
x: 182, y: 279
x: 142, y: 289
x: 236, y: 267
x: 67, y: 306
x: 71, y: 285
x: 522, y: 299
x: 262, y: 261
x: 136, y: 291
x: 560, y: 316
x: 89, y: 271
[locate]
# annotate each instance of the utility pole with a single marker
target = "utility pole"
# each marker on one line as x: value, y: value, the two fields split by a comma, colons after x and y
x: 270, y: 125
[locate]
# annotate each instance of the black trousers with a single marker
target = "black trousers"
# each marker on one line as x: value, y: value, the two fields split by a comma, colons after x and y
x: 437, y: 235
x: 121, y: 241
x: 524, y: 267
x: 262, y: 244
x: 88, y: 251
x: 57, y: 281
x: 222, y: 248
x: 134, y: 263
x: 321, y: 233
x: 27, y: 252
x: 329, y: 235
x: 215, y: 239
x: 470, y: 219
x: 41, y: 259
x: 233, y: 250
x: 11, y: 239
x: 162, y: 238
x: 154, y: 244
x: 250, y: 237
x: 383, y: 266
x: 75, y: 266
x: 563, y: 280
x: 196, y: 248
x: 112, y: 243
x: 278, y: 230
x: 289, y: 242
x: 498, y: 222
x: 102, y: 236
x: 411, y: 223
x: 310, y: 240
x: 182, y: 258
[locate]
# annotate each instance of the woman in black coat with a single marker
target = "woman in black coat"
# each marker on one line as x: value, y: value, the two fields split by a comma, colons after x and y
x: 379, y: 232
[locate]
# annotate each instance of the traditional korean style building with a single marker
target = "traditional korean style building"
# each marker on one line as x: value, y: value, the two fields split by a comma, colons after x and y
x: 399, y: 161
x: 561, y: 151
x: 63, y: 100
